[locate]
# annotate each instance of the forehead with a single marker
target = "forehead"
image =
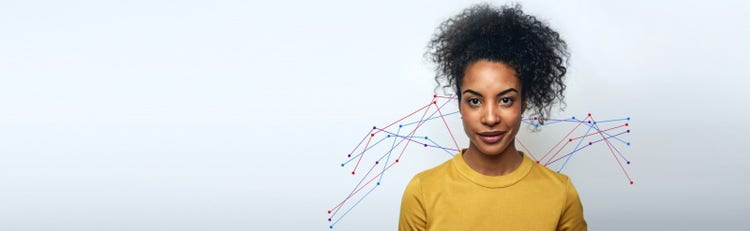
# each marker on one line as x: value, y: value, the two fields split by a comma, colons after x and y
x: 490, y: 77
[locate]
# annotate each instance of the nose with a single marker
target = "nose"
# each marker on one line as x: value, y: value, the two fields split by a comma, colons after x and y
x: 490, y: 116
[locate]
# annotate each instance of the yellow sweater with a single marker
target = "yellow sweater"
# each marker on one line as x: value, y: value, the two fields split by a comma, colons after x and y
x: 453, y: 196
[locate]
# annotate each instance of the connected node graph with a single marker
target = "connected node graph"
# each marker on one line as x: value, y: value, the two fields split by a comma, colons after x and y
x: 382, y: 147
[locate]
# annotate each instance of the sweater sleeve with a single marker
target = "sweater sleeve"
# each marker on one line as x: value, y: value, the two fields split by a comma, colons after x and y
x: 413, y: 215
x: 572, y: 214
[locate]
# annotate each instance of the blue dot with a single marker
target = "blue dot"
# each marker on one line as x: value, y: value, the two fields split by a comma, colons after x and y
x: 425, y: 137
x: 573, y: 117
x: 628, y: 143
x: 594, y: 122
x: 342, y: 165
x: 388, y: 136
x: 628, y: 118
x: 378, y: 183
x: 536, y: 125
x: 330, y: 226
x: 400, y: 125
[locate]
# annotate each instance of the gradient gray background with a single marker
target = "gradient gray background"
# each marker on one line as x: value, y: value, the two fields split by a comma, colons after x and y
x: 234, y: 115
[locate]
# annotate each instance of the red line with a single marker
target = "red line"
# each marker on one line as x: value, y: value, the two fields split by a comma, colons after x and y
x: 360, y: 188
x: 421, y: 121
x: 360, y: 142
x: 558, y: 152
x: 526, y: 149
x: 402, y: 139
x: 446, y: 125
x: 407, y: 116
x: 613, y: 154
x: 363, y: 154
x: 336, y: 208
x: 600, y: 131
x: 446, y: 97
x: 566, y: 136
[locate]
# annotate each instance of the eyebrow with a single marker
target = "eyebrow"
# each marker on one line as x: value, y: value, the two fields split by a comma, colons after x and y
x: 506, y: 91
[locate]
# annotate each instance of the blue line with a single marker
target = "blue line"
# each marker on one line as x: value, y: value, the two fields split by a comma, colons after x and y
x: 355, y: 188
x: 579, y: 150
x: 612, y: 120
x: 599, y: 140
x: 350, y: 208
x: 434, y: 144
x: 431, y: 115
x: 360, y: 142
x: 618, y: 151
x: 529, y: 123
x: 423, y: 144
x: 576, y: 147
x: 405, y: 137
x: 566, y: 155
x: 387, y: 159
x: 603, y: 132
x: 554, y: 121
x: 614, y: 147
x: 430, y: 118
x: 363, y: 151
x: 446, y: 151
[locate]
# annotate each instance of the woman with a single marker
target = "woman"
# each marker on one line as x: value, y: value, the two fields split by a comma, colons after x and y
x: 501, y: 63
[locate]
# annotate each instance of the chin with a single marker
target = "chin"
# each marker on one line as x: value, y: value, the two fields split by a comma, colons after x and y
x: 491, y: 149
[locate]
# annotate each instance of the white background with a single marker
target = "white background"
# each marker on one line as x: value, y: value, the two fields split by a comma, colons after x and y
x: 234, y: 115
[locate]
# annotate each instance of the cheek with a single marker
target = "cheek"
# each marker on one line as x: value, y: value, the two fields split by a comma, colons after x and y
x: 468, y: 119
x: 513, y: 117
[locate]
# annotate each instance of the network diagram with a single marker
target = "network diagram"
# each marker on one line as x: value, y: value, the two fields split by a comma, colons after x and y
x: 383, y: 147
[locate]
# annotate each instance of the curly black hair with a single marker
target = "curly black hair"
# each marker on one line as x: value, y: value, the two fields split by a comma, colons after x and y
x: 506, y: 35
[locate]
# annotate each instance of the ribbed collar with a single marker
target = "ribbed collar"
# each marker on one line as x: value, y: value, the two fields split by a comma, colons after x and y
x: 493, y: 181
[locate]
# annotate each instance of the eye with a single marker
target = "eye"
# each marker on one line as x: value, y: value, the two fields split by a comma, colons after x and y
x: 473, y: 102
x: 506, y: 100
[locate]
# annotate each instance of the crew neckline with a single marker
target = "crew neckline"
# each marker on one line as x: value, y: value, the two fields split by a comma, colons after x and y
x: 493, y: 181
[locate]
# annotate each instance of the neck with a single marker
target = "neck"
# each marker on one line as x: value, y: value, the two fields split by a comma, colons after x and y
x: 493, y: 164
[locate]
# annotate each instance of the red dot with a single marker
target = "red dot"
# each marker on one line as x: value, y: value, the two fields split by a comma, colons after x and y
x: 434, y: 102
x: 589, y: 114
x: 537, y: 162
x: 631, y: 182
x: 626, y: 124
x: 352, y: 172
x: 372, y: 135
x: 396, y: 160
x: 570, y: 140
x: 329, y: 212
x: 434, y: 96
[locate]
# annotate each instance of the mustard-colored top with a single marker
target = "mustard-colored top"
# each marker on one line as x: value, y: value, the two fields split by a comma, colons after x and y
x: 453, y: 196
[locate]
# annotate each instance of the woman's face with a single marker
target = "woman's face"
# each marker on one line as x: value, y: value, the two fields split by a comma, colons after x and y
x: 491, y: 106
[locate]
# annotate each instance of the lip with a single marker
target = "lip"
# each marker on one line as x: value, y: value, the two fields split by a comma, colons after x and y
x: 491, y: 137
